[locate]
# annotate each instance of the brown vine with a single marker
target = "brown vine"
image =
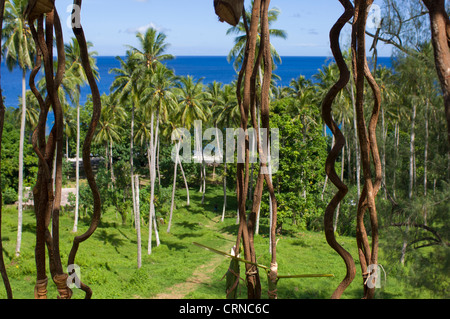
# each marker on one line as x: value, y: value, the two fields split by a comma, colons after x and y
x: 368, y: 144
x: 47, y: 202
x: 335, y: 151
x: 79, y: 34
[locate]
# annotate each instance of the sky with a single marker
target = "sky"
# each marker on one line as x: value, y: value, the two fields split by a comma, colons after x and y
x: 192, y: 27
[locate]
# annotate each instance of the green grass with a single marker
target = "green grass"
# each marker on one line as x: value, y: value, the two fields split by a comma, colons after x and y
x: 108, y: 259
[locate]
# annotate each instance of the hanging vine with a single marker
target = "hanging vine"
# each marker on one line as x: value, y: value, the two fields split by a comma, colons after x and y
x: 50, y: 150
x: 336, y: 150
x: 97, y: 107
x: 369, y: 149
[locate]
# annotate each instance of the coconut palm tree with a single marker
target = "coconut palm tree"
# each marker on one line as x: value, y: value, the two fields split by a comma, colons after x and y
x: 152, y: 49
x: 191, y: 100
x: 125, y: 91
x: 159, y: 100
x: 109, y: 129
x: 19, y: 50
x: 226, y: 114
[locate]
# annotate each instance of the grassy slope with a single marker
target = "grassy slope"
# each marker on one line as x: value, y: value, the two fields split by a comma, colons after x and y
x: 108, y: 258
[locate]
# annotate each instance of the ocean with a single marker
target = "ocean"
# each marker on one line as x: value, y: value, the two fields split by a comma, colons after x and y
x: 210, y: 68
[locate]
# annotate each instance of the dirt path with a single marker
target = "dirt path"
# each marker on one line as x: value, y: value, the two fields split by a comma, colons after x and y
x: 202, y: 275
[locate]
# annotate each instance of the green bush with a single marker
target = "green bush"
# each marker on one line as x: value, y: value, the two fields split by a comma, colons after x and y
x: 10, y: 196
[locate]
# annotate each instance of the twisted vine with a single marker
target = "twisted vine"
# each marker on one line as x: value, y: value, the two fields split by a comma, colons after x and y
x: 47, y: 202
x: 336, y: 150
x: 79, y: 34
x: 368, y: 143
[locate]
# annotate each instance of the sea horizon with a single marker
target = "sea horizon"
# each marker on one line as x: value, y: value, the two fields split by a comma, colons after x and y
x: 208, y: 67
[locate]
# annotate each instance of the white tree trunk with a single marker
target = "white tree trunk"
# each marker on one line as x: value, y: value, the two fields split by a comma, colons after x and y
x: 174, y: 186
x: 133, y: 193
x: 137, y: 221
x: 185, y: 183
x: 77, y: 173
x: 224, y: 191
x: 152, y: 179
x: 411, y: 154
x: 21, y: 147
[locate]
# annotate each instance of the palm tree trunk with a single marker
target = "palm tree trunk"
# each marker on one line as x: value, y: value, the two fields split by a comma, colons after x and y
x: 113, y: 178
x: 342, y: 178
x: 224, y: 191
x: 137, y: 221
x: 411, y: 154
x: 425, y: 165
x: 157, y: 164
x: 77, y: 172
x: 153, y: 176
x: 173, y: 187
x: 326, y: 176
x: 21, y: 147
x: 383, y: 159
x: 185, y: 182
x: 131, y: 162
x: 357, y: 151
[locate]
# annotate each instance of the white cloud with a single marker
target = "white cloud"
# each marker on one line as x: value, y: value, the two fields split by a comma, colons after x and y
x: 144, y: 28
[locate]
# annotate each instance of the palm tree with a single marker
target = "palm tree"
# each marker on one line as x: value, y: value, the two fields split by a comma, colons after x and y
x: 159, y: 100
x: 191, y: 99
x: 109, y: 129
x: 126, y: 91
x: 19, y: 50
x: 32, y: 111
x: 152, y: 48
x: 75, y: 77
x: 237, y: 52
x: 226, y: 114
x: 147, y: 59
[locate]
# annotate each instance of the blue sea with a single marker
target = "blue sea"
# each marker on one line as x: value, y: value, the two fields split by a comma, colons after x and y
x: 210, y: 68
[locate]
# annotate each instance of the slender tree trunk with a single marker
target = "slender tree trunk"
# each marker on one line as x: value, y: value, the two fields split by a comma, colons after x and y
x: 425, y: 165
x: 342, y: 178
x: 21, y: 147
x: 326, y: 176
x: 133, y: 191
x: 412, y: 152
x: 154, y: 140
x: 185, y: 183
x: 113, y: 178
x: 224, y: 191
x: 77, y: 171
x: 137, y: 221
x: 157, y: 164
x: 397, y: 144
x: 357, y: 150
x: 383, y: 159
x: 174, y: 186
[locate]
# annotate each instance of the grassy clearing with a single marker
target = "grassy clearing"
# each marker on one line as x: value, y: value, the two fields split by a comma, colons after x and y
x: 108, y: 258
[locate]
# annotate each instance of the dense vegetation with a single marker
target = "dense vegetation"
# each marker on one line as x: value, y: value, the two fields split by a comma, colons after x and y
x: 148, y: 102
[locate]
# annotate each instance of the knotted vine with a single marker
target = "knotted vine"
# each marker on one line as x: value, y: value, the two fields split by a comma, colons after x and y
x: 249, y: 100
x: 369, y: 148
x: 49, y: 150
x: 368, y: 145
x: 336, y: 150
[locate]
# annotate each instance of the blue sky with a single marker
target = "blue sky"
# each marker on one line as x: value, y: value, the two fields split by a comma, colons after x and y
x: 192, y: 28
